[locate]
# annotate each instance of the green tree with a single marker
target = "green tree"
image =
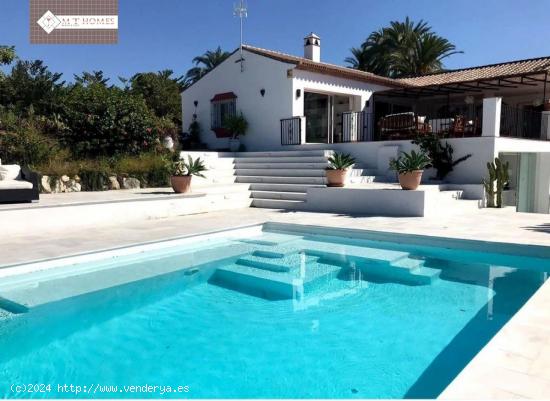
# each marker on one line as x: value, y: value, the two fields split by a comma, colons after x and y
x: 90, y: 78
x: 7, y: 54
x: 402, y: 49
x: 32, y: 86
x: 205, y: 63
x: 161, y: 92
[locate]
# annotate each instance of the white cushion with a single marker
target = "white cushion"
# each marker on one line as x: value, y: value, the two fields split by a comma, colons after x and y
x: 15, y: 184
x: 10, y: 172
x: 421, y: 119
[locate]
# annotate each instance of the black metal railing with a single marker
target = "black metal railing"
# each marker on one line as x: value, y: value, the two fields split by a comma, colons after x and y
x: 291, y: 131
x: 521, y: 123
x: 356, y: 127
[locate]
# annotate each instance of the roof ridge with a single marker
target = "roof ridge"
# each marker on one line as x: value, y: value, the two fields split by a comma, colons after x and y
x: 303, y: 60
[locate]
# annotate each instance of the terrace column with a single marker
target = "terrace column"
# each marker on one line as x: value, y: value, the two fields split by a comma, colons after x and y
x: 491, y: 116
x: 302, y: 130
x: 545, y: 126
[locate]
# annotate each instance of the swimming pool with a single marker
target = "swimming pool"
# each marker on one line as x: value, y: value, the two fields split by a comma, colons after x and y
x: 278, y: 311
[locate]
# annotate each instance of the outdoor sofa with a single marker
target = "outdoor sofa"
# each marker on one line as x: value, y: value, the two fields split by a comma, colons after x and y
x: 18, y: 184
x: 402, y: 125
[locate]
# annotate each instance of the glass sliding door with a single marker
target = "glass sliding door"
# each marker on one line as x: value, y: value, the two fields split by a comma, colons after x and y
x: 317, y: 110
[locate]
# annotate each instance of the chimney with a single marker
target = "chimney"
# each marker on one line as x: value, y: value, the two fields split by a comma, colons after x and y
x: 312, y: 47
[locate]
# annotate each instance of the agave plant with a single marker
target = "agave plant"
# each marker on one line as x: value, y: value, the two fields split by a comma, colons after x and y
x: 340, y: 161
x: 409, y: 162
x: 189, y: 167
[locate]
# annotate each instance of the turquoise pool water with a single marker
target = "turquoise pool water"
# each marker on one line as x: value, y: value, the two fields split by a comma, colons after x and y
x: 275, y: 316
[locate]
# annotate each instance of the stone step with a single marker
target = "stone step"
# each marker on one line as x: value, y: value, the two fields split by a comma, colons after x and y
x: 285, y: 153
x: 265, y: 179
x: 280, y: 159
x: 284, y: 187
x: 279, y: 195
x: 278, y: 204
x: 282, y: 166
x: 280, y: 172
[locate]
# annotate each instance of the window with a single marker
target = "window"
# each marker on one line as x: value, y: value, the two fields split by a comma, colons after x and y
x: 223, y: 105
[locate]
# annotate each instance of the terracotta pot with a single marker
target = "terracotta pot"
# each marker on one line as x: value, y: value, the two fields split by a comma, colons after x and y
x: 411, y: 180
x: 181, y: 184
x: 336, y: 178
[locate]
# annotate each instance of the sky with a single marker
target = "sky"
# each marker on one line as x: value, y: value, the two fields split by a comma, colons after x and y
x: 167, y: 34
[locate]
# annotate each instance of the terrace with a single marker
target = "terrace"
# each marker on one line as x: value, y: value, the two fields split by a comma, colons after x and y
x: 503, y: 100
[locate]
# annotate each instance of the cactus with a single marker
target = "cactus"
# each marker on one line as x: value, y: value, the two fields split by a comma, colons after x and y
x: 502, y: 178
x: 498, y: 177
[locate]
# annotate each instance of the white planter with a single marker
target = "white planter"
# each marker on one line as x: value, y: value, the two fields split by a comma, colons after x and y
x: 234, y: 145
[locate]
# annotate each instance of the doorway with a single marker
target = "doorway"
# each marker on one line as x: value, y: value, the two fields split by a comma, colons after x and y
x: 317, y: 108
x: 324, y: 115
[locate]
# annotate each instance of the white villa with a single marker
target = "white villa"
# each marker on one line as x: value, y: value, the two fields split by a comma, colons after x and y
x: 302, y: 104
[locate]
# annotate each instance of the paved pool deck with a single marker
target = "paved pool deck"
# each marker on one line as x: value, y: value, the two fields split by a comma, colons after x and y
x: 515, y: 364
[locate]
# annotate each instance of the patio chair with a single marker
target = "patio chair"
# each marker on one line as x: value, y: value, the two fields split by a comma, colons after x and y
x: 457, y: 127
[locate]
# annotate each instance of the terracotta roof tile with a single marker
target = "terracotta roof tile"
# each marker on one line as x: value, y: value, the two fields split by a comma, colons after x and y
x: 486, y: 72
x: 325, y: 68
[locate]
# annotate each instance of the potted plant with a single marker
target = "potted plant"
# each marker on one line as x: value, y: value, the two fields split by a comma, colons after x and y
x: 183, y: 171
x: 410, y: 167
x: 237, y: 126
x: 339, y: 163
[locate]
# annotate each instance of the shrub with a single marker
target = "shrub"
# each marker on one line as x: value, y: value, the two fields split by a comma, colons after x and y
x: 22, y: 142
x: 441, y: 155
x: 237, y: 125
x: 107, y: 122
x: 150, y: 169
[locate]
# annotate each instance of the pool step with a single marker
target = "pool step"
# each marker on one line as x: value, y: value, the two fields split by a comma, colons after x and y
x: 257, y: 276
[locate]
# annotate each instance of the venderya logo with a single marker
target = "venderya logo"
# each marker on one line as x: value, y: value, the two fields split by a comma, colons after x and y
x: 74, y: 21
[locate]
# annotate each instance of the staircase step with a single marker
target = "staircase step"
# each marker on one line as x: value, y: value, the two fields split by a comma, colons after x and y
x: 265, y: 179
x: 258, y: 262
x: 278, y: 204
x: 285, y: 153
x: 282, y: 166
x: 281, y: 172
x: 279, y: 195
x: 281, y: 159
x: 284, y: 187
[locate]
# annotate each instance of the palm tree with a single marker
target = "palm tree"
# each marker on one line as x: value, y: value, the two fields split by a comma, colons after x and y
x: 402, y: 49
x: 205, y: 63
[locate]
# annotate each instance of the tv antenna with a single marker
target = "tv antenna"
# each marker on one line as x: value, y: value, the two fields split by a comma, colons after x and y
x: 240, y: 10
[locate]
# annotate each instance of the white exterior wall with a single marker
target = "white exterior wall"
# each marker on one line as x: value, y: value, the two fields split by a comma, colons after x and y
x: 315, y: 82
x: 263, y: 113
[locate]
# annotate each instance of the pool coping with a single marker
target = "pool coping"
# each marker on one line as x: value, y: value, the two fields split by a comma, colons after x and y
x: 515, y: 363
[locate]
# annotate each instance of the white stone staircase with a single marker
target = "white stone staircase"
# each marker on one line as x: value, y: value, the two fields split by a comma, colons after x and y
x: 277, y: 179
x: 281, y: 179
